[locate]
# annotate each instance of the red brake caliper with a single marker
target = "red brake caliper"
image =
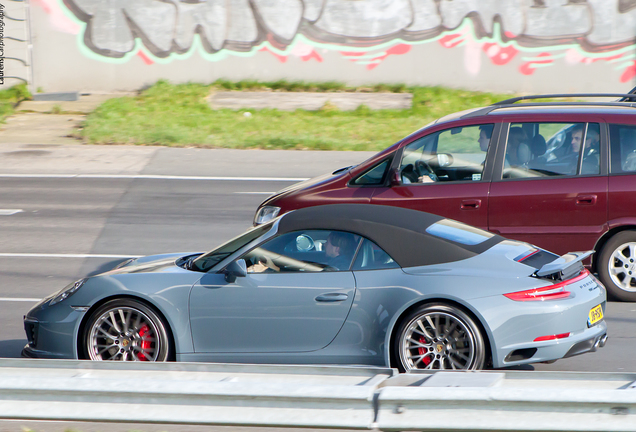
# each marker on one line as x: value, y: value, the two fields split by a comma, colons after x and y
x: 422, y: 351
x: 145, y: 345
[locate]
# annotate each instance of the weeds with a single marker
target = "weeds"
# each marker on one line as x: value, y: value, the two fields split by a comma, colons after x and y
x: 10, y: 97
x: 179, y: 115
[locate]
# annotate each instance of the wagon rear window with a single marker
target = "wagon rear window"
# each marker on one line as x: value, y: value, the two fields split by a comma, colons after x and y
x: 458, y: 232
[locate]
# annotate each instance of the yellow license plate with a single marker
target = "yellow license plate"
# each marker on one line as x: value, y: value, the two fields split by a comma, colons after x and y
x: 596, y: 315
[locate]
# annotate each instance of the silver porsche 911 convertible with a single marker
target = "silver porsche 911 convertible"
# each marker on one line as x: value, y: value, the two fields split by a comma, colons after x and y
x: 334, y: 284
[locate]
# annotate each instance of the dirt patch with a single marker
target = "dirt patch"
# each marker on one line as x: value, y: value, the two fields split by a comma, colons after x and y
x: 27, y: 153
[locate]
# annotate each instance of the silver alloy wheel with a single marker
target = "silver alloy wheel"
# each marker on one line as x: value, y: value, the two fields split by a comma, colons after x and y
x: 437, y: 340
x: 622, y: 266
x: 126, y: 334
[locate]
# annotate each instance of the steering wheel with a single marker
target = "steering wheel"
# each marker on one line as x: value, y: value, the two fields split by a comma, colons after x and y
x: 422, y: 168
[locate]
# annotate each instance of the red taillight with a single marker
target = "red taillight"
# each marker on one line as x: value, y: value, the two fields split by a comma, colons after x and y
x: 552, y: 292
x: 552, y: 337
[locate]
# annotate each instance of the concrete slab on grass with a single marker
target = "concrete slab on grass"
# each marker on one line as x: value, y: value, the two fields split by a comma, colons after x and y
x: 289, y: 101
x: 85, y: 104
x: 61, y: 96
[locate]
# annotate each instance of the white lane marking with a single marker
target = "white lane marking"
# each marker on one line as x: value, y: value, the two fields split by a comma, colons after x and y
x: 17, y: 299
x: 255, y: 193
x: 151, y: 177
x: 43, y: 255
x: 9, y: 212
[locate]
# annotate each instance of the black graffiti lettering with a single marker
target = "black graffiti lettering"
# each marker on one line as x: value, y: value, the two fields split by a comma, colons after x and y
x: 626, y: 5
x: 170, y: 26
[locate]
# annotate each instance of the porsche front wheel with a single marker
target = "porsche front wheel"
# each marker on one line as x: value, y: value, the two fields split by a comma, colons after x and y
x: 439, y: 337
x: 126, y: 330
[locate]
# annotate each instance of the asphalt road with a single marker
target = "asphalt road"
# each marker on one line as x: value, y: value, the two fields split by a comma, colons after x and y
x: 119, y: 214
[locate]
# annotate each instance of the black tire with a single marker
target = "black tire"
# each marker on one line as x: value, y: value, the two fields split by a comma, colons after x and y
x: 463, y: 348
x: 125, y: 330
x: 617, y: 266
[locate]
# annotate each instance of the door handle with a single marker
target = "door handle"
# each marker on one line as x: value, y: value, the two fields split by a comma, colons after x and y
x: 332, y: 297
x: 586, y: 200
x: 470, y: 204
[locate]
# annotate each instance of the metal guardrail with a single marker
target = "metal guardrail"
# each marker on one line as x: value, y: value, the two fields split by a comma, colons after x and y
x: 511, y: 401
x: 315, y: 396
x: 188, y: 393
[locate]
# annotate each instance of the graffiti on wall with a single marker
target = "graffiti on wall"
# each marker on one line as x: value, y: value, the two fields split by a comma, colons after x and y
x: 536, y: 33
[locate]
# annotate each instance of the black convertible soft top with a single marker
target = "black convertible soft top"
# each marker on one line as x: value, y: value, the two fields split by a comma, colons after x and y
x: 400, y: 232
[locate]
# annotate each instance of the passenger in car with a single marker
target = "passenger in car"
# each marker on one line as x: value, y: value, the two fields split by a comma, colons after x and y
x: 570, y: 156
x: 590, y: 150
x: 628, y: 150
x: 518, y: 151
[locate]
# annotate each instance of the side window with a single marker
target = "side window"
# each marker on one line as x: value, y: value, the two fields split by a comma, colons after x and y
x: 304, y: 251
x: 374, y: 176
x: 455, y: 154
x: 372, y: 257
x: 552, y: 149
x: 623, y: 149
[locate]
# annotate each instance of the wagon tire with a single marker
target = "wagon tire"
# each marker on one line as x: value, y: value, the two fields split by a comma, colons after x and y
x: 617, y: 266
x: 439, y: 337
x: 125, y: 330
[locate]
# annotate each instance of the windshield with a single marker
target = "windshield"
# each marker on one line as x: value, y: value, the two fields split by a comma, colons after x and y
x: 206, y: 261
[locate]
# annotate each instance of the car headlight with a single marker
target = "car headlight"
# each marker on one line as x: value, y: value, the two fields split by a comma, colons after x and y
x: 265, y: 214
x: 67, y: 291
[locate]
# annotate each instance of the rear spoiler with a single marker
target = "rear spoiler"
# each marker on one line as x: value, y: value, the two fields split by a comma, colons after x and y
x: 565, y: 266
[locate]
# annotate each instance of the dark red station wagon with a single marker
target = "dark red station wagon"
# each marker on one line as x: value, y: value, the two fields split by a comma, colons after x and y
x: 560, y: 175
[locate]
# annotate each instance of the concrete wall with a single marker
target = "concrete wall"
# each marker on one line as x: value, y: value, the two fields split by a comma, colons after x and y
x: 498, y: 45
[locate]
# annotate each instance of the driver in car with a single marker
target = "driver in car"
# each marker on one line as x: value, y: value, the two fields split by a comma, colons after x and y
x: 339, y: 250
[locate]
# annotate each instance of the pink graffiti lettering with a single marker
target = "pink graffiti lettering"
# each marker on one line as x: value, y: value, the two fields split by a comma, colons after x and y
x: 451, y: 40
x: 313, y: 55
x: 629, y: 73
x: 58, y: 20
x: 528, y: 68
x: 499, y: 55
x: 145, y: 58
x: 281, y: 58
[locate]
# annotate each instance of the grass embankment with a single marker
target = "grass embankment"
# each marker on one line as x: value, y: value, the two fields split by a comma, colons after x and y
x: 179, y: 116
x: 10, y: 97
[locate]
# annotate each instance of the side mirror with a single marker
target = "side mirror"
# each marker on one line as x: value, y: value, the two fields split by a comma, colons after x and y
x: 235, y: 269
x: 394, y: 177
x: 444, y: 159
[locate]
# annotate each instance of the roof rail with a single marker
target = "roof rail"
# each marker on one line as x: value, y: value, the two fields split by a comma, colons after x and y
x: 565, y: 95
x: 626, y: 100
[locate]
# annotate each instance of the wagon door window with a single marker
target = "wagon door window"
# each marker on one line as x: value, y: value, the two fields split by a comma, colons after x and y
x: 623, y: 149
x: 552, y: 149
x: 304, y: 251
x: 455, y: 154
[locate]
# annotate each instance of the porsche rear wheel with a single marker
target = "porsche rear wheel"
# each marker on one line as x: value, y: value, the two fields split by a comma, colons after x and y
x: 126, y: 330
x: 439, y: 337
